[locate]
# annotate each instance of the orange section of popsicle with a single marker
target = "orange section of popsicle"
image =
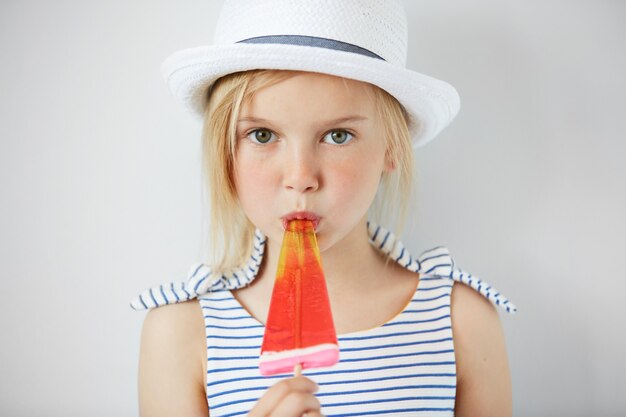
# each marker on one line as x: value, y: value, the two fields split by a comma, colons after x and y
x: 299, y: 329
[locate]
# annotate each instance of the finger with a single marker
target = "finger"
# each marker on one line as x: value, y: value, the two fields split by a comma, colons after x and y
x: 295, y: 404
x: 280, y: 390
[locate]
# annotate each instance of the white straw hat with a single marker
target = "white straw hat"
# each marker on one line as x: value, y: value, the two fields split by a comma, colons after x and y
x: 364, y: 40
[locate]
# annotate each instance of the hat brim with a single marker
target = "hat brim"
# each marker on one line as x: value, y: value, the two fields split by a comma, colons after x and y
x: 431, y: 103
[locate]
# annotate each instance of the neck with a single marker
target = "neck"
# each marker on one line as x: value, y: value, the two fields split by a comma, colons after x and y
x: 355, y: 271
x: 352, y: 264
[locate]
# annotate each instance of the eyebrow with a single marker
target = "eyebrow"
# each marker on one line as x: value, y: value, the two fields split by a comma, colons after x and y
x: 355, y: 118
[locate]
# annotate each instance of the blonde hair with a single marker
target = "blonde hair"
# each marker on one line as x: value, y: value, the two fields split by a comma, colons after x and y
x: 230, y: 233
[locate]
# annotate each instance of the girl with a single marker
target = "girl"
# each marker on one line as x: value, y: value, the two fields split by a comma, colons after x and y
x: 309, y: 110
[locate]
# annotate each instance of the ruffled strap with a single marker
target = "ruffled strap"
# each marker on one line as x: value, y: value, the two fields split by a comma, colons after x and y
x: 433, y: 263
x: 202, y: 280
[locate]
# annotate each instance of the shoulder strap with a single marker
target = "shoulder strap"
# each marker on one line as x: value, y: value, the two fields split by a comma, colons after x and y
x: 435, y: 262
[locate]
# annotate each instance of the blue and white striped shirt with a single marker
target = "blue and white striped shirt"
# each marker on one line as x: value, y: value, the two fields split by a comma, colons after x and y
x: 404, y: 367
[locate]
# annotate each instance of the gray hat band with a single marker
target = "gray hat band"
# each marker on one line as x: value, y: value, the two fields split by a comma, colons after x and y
x: 302, y: 40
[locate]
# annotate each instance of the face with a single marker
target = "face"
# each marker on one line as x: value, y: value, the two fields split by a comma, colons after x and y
x: 309, y: 146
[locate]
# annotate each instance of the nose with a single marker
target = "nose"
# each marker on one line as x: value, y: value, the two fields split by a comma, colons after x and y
x: 301, y: 171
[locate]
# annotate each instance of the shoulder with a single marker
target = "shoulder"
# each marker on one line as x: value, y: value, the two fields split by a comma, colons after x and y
x: 173, y: 323
x: 171, y: 361
x: 475, y: 322
x: 471, y: 310
x: 482, y: 366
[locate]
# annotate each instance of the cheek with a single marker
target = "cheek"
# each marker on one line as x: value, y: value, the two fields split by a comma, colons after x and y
x: 358, y: 178
x: 252, y: 180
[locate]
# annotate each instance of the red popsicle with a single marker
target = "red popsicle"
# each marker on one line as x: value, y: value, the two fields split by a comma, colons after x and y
x: 299, y: 331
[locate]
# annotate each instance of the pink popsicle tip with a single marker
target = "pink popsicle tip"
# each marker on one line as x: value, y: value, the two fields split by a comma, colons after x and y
x: 320, y: 356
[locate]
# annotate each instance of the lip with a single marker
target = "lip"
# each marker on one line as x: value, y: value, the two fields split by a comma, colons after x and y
x: 301, y: 215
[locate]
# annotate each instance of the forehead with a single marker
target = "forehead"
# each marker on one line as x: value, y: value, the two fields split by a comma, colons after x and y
x: 317, y: 94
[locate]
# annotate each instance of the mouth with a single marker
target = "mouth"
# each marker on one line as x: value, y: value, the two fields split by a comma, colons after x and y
x: 301, y: 215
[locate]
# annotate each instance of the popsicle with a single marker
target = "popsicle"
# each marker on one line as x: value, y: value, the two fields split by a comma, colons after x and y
x: 299, y: 332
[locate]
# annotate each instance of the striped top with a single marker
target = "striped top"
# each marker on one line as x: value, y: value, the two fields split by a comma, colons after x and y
x: 404, y: 367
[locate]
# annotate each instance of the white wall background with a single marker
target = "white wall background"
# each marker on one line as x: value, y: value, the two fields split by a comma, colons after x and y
x: 100, y: 189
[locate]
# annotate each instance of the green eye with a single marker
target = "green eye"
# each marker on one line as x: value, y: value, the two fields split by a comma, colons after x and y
x: 261, y: 136
x: 338, y: 137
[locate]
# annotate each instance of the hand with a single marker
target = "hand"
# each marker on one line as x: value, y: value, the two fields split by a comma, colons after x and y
x: 291, y: 397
